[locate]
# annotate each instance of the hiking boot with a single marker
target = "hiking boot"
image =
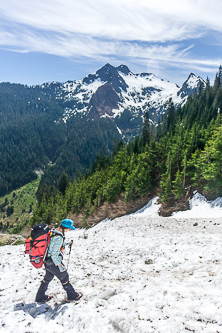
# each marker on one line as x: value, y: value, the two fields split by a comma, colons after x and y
x: 44, y: 300
x: 70, y: 300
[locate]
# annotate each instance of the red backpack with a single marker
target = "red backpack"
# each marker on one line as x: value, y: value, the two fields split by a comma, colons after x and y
x: 37, y: 245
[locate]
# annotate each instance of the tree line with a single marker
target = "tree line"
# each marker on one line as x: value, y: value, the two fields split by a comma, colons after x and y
x: 184, y: 151
x: 33, y: 136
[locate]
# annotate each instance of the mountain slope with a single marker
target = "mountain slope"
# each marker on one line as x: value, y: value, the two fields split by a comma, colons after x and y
x: 137, y: 274
x: 187, y: 157
x: 61, y: 127
x: 117, y: 93
x: 32, y: 139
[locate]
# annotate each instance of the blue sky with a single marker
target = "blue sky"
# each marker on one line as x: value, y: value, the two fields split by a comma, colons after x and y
x: 60, y: 40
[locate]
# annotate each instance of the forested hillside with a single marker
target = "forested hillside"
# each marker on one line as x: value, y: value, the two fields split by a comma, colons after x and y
x: 26, y: 134
x: 183, y: 152
x: 59, y: 128
x: 32, y: 138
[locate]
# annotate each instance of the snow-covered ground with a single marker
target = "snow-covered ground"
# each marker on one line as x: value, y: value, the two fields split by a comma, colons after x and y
x: 138, y: 273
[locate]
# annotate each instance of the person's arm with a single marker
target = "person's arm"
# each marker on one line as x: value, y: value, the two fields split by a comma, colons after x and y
x: 55, y: 247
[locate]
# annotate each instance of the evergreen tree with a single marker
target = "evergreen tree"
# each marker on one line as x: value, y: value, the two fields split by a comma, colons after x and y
x: 63, y: 183
x: 146, y: 130
x: 171, y: 115
x: 218, y: 79
x: 166, y: 181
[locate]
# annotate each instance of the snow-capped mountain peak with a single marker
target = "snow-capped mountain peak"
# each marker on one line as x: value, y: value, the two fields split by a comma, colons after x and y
x: 124, y: 69
x: 117, y: 93
x: 192, y: 83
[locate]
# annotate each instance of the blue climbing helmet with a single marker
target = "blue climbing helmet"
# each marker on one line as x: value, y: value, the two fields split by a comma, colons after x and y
x: 67, y: 223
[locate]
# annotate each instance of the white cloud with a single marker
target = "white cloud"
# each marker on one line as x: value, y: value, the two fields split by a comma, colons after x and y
x: 116, y: 28
x: 78, y: 45
x: 154, y: 20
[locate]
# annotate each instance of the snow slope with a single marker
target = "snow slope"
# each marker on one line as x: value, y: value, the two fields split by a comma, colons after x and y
x: 146, y: 92
x: 139, y: 273
x: 199, y: 206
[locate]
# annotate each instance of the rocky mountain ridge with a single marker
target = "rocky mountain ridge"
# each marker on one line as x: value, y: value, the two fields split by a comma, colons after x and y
x: 119, y: 94
x: 61, y: 127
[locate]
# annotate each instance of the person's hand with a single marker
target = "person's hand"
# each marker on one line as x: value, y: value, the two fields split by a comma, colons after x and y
x: 61, y: 267
x: 70, y: 243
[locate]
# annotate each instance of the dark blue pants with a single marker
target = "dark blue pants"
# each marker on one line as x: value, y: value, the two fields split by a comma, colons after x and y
x: 51, y: 271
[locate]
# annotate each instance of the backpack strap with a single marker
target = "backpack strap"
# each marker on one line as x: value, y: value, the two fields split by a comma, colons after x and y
x: 54, y: 233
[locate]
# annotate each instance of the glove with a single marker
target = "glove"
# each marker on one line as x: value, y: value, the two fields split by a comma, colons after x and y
x: 62, y: 268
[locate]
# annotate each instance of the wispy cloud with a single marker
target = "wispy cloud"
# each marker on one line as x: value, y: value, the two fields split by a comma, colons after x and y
x: 88, y: 46
x: 157, y: 30
x: 158, y: 20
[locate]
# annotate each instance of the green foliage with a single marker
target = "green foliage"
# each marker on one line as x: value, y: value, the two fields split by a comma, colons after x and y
x: 208, y: 164
x: 139, y: 178
x: 63, y: 183
x: 185, y: 150
x: 85, y: 224
x: 166, y: 182
x: 13, y: 218
x: 125, y: 172
x: 10, y: 210
x: 29, y: 137
x: 34, y: 138
x: 146, y: 130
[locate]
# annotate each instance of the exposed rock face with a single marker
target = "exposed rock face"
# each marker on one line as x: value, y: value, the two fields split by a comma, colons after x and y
x: 110, y: 74
x: 103, y: 101
x: 114, y: 91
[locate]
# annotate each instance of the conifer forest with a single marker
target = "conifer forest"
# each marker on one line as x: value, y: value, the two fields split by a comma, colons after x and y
x: 183, y: 152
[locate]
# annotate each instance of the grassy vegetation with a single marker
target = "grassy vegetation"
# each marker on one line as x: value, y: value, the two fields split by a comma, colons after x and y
x: 16, y: 208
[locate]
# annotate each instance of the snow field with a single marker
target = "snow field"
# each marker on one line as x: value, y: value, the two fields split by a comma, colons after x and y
x: 137, y: 274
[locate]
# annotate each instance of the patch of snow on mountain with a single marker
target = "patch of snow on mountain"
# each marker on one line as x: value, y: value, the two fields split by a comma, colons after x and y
x: 143, y: 89
x: 137, y: 93
x: 81, y: 93
x: 120, y: 132
x: 200, y: 207
x: 81, y: 90
x: 151, y: 209
x: 117, y: 112
x: 193, y: 81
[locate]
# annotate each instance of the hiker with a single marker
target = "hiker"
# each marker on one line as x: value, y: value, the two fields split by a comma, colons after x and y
x: 55, y: 267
